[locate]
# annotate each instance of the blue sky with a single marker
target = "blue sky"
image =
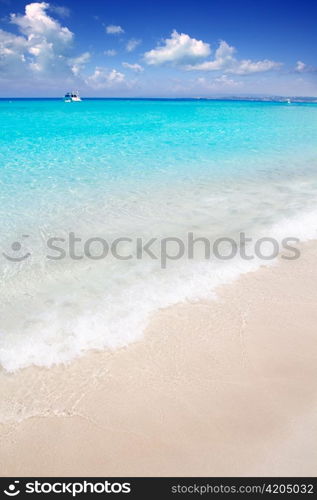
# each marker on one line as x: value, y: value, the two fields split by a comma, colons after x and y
x: 166, y: 48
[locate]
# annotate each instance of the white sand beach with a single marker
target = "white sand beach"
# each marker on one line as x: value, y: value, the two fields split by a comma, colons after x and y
x: 220, y: 388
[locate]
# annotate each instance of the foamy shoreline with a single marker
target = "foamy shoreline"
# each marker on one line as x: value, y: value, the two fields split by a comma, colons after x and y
x: 215, y: 388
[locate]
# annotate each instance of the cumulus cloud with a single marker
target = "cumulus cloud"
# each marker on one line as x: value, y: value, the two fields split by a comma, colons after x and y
x: 223, y: 57
x: 113, y: 29
x: 135, y: 67
x: 37, y: 24
x: 132, y: 44
x: 41, y: 50
x: 179, y: 48
x: 226, y: 61
x: 103, y: 78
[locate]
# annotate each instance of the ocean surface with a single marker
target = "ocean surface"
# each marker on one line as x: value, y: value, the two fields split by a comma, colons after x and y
x: 75, y: 177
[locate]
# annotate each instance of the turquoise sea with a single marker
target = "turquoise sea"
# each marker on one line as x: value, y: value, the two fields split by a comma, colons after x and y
x: 136, y: 169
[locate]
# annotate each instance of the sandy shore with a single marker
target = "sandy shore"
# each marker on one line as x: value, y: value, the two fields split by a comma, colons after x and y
x: 226, y: 387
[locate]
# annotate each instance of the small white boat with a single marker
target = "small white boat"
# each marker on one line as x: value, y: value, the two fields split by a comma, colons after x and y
x: 72, y: 97
x: 289, y: 101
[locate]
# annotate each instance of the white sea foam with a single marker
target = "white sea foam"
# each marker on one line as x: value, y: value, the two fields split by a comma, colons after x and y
x: 65, y: 311
x: 54, y: 311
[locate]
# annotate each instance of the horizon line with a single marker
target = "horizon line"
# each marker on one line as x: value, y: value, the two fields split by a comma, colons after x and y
x: 194, y: 98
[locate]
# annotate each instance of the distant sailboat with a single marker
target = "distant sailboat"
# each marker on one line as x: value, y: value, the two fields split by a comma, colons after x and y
x: 289, y: 101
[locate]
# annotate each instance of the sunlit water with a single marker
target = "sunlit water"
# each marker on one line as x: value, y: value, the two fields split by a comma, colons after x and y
x: 136, y: 169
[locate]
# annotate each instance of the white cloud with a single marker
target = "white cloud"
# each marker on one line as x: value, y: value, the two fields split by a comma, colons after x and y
x: 113, y: 29
x: 219, y: 83
x: 103, y: 78
x: 12, y: 44
x: 135, y: 67
x: 78, y: 63
x: 110, y: 52
x: 42, y: 50
x: 223, y: 57
x: 46, y: 42
x: 246, y: 66
x: 12, y: 54
x: 225, y: 81
x: 115, y: 76
x: 300, y: 67
x: 132, y: 44
x: 180, y: 48
x: 60, y: 10
x: 41, y: 55
x: 36, y: 24
x: 225, y: 60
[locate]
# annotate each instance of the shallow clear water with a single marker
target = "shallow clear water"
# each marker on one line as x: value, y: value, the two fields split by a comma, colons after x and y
x: 136, y: 168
